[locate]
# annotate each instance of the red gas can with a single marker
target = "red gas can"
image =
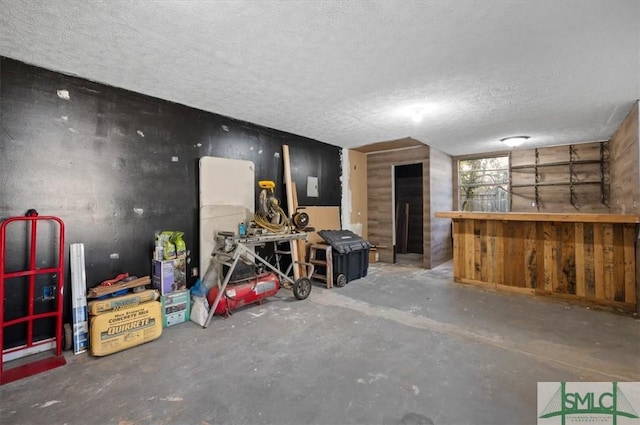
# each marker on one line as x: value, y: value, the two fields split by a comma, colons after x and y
x: 253, y: 291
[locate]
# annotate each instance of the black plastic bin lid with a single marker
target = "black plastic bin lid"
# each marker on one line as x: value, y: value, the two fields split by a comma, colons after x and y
x: 344, y: 241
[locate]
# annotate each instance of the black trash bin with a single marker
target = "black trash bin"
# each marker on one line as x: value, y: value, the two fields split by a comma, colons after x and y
x: 350, y: 255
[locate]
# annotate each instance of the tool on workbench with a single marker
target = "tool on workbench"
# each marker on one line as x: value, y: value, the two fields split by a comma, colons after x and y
x: 270, y: 215
x: 300, y: 219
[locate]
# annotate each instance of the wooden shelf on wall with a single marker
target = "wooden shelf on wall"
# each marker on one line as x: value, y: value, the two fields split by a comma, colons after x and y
x: 557, y: 183
x: 556, y: 164
x: 573, y: 174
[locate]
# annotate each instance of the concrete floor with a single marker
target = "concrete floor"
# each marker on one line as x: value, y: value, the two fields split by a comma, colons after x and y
x: 401, y: 346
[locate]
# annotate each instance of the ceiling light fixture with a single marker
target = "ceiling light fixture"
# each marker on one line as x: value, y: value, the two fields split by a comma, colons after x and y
x: 515, y: 141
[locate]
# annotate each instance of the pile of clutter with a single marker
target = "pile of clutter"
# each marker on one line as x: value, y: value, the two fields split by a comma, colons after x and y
x: 125, y: 314
x: 170, y: 276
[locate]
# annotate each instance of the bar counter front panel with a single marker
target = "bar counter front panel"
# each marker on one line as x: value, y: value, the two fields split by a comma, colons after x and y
x: 585, y: 256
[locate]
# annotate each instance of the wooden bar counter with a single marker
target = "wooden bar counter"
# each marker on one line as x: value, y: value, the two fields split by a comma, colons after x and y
x: 582, y: 256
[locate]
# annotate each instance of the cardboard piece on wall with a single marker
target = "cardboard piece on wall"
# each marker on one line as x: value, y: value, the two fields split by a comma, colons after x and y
x: 322, y: 218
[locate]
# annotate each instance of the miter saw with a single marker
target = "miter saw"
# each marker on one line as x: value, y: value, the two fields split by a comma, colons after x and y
x: 270, y: 215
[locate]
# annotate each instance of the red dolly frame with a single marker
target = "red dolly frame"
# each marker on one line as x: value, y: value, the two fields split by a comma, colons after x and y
x: 45, y: 364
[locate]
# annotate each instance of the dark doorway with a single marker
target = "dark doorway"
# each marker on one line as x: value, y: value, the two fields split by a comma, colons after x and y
x: 408, y: 204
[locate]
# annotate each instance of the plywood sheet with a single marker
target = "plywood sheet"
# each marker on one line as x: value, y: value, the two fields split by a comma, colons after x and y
x: 214, y: 219
x: 224, y: 183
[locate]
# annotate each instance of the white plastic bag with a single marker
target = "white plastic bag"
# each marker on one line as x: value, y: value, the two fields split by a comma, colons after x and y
x: 199, y: 310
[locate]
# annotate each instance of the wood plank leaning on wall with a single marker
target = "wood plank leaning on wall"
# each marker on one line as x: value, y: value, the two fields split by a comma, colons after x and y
x: 295, y: 255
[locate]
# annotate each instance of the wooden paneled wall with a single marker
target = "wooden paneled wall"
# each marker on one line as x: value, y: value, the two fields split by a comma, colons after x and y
x: 591, y: 261
x: 554, y: 192
x: 440, y: 199
x: 624, y: 166
x: 625, y: 177
x: 437, y: 195
x: 587, y: 172
x: 380, y: 201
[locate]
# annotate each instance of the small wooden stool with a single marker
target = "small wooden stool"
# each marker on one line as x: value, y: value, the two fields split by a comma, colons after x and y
x: 326, y: 262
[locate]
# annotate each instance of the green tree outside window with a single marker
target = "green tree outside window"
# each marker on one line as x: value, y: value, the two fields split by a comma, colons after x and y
x: 483, y: 184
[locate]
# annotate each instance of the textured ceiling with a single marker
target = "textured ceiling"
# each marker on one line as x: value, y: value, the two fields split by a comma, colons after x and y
x: 347, y: 72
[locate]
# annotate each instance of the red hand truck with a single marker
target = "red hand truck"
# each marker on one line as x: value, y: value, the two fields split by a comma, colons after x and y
x: 27, y: 277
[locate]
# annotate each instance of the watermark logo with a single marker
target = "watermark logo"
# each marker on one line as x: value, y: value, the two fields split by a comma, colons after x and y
x: 592, y: 403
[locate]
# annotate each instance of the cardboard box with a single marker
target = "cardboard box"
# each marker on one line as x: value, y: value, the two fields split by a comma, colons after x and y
x: 176, y: 307
x: 373, y: 255
x: 169, y: 275
x: 122, y: 301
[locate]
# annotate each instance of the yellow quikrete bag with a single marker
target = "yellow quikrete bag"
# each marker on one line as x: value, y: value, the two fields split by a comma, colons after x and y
x: 121, y: 329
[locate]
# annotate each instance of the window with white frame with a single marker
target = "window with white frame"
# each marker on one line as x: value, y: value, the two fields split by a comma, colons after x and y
x: 483, y: 184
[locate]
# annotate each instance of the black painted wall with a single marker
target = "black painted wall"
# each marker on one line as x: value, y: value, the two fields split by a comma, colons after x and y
x: 102, y: 161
